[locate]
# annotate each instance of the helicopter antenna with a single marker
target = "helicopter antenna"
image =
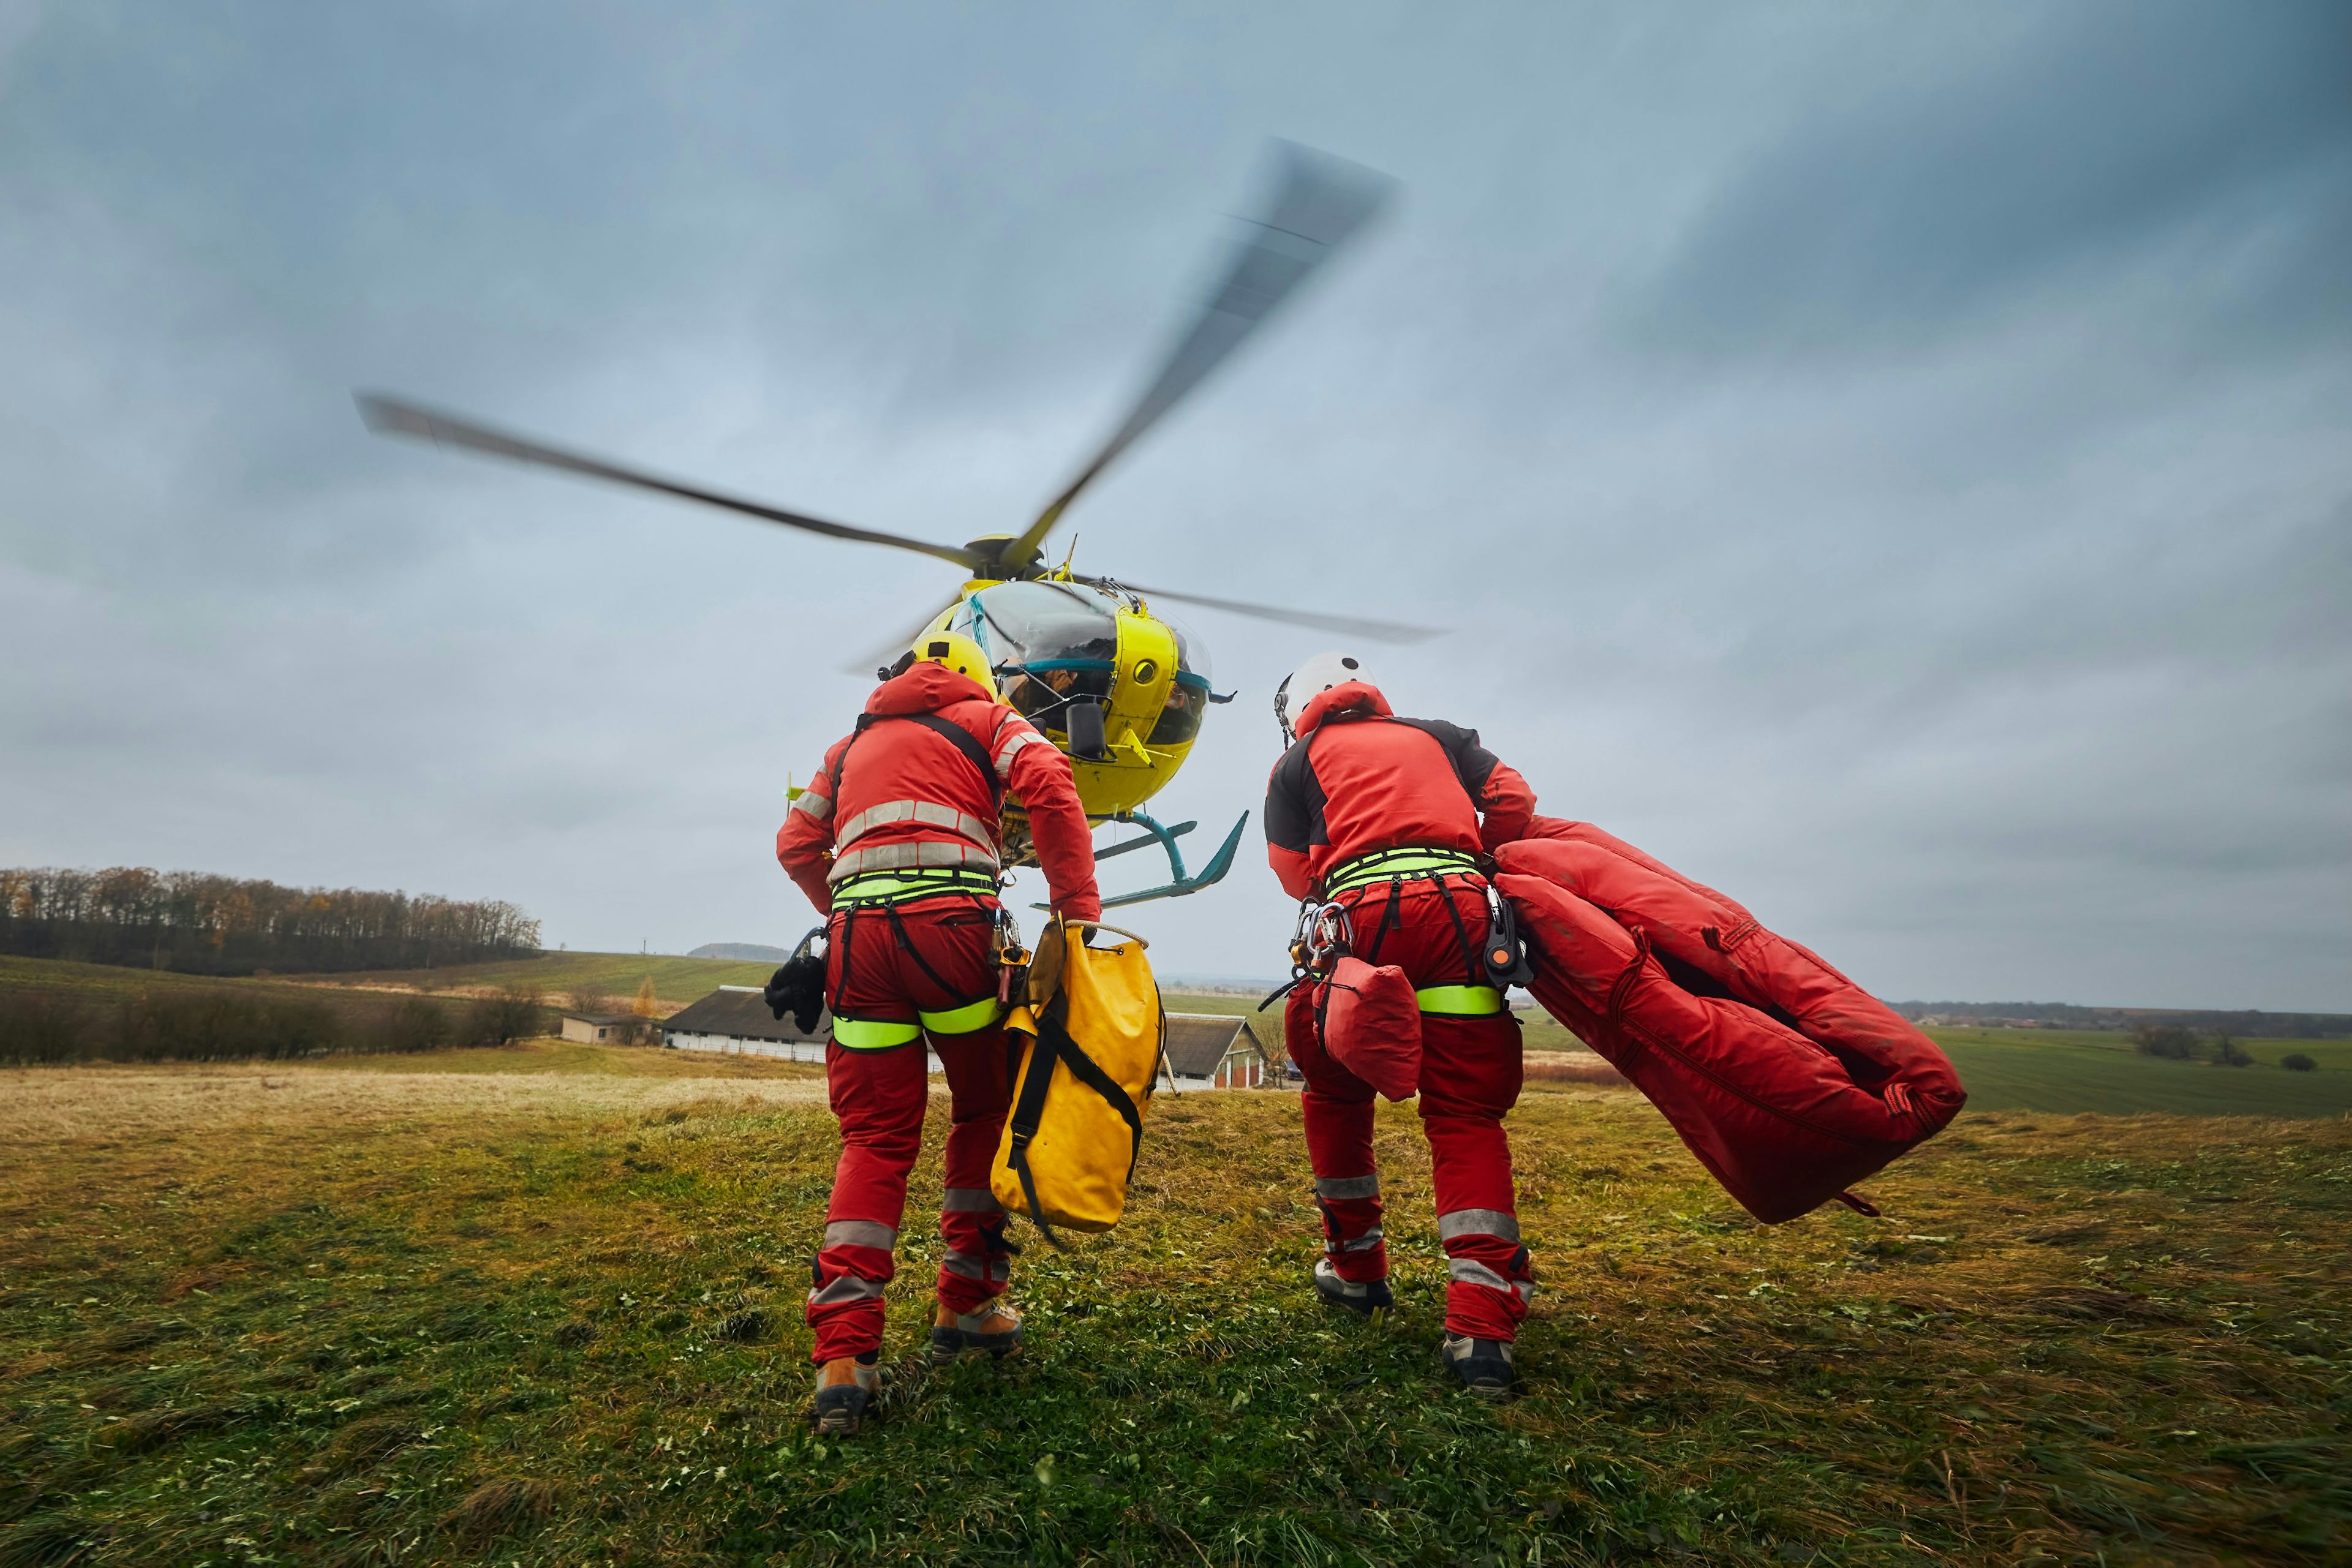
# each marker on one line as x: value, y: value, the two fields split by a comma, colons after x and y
x: 1317, y: 203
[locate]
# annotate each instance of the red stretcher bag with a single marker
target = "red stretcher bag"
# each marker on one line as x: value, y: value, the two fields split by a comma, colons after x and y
x: 1789, y: 1082
x: 1372, y: 1026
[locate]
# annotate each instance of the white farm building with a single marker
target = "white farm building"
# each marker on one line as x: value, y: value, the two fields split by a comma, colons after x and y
x: 1212, y: 1050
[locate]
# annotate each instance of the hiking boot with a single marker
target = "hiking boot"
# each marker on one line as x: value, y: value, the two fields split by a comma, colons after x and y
x: 846, y: 1387
x: 1483, y: 1365
x: 993, y: 1328
x: 1361, y: 1296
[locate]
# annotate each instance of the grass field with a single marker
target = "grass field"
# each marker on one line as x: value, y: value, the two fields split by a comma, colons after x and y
x: 2005, y: 1069
x: 542, y: 1306
x: 2045, y: 1069
x: 2020, y: 1069
x: 676, y: 981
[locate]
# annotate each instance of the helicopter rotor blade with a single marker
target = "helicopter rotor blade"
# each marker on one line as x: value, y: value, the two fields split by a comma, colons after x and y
x: 882, y: 653
x: 1346, y: 626
x: 391, y: 416
x: 1317, y: 203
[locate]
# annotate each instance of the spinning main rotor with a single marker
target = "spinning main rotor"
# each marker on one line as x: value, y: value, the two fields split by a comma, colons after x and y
x: 1315, y: 204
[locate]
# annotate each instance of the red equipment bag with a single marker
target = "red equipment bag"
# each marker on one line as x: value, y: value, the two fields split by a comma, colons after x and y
x: 1789, y: 1082
x: 1372, y: 1026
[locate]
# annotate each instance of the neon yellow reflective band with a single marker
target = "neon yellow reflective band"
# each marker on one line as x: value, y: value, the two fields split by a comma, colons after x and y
x: 874, y: 1033
x: 1386, y: 864
x: 963, y: 1020
x: 1460, y: 1001
x: 883, y: 887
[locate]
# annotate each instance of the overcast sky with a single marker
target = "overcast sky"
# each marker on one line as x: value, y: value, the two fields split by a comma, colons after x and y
x: 1889, y: 462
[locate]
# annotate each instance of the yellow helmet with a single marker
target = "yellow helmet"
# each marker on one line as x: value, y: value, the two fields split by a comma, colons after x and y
x: 955, y: 651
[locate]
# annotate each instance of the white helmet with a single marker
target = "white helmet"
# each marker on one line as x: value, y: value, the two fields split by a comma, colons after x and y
x: 1299, y: 688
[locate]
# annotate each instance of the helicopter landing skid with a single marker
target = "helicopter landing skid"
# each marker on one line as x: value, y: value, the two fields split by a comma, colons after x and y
x: 1178, y: 884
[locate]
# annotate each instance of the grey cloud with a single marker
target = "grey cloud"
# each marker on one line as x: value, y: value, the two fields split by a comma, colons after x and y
x: 2108, y: 131
x: 2004, y: 657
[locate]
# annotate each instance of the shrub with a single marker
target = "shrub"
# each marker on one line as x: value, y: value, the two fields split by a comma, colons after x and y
x: 2169, y: 1041
x: 413, y: 1025
x: 2228, y: 1052
x: 2295, y: 1061
x: 219, y: 1026
x: 513, y: 1015
x: 37, y: 1028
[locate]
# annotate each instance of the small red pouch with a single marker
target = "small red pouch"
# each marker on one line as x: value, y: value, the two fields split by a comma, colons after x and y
x: 1372, y: 1026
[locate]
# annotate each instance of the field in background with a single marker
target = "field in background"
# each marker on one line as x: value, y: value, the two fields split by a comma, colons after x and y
x: 2005, y: 1069
x: 544, y: 1309
x: 2038, y: 1070
x: 676, y: 981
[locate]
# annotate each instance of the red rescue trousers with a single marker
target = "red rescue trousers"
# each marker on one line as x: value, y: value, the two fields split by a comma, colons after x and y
x: 1470, y: 1077
x: 928, y: 956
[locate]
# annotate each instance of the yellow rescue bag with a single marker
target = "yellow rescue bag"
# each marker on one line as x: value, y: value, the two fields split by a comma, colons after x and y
x: 1091, y: 1033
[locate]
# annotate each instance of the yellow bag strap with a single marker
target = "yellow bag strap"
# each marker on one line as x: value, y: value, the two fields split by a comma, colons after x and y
x: 1054, y: 1043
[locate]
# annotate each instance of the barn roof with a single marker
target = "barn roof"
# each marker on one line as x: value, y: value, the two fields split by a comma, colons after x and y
x: 1197, y: 1042
x: 740, y: 1010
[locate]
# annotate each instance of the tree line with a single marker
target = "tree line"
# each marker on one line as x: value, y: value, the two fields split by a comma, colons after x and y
x: 203, y: 925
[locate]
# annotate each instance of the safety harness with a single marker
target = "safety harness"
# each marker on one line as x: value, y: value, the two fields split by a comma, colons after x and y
x: 1475, y: 998
x: 881, y: 892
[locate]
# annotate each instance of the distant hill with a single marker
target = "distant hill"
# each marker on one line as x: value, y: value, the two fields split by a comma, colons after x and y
x: 742, y: 951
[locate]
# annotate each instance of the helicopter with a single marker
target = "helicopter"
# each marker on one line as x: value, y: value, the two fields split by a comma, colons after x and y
x: 1119, y: 690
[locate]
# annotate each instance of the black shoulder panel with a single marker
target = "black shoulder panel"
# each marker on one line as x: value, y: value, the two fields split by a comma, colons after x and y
x: 1294, y: 803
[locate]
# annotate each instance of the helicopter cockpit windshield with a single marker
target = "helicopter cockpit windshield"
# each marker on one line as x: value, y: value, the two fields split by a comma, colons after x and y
x: 1056, y: 643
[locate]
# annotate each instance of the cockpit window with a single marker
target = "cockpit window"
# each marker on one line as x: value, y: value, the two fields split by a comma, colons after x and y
x: 1050, y: 642
x: 1179, y: 717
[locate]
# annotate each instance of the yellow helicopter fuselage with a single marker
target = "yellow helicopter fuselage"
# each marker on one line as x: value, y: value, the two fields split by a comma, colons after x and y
x: 1134, y: 666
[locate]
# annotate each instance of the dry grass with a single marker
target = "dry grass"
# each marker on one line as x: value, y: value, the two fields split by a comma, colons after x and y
x: 372, y: 1317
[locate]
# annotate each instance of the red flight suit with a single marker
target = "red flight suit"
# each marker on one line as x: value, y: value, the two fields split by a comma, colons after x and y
x: 911, y: 810
x: 1360, y: 781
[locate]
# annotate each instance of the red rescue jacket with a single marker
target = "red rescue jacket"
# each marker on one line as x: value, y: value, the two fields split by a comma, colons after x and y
x: 912, y: 798
x: 1360, y: 779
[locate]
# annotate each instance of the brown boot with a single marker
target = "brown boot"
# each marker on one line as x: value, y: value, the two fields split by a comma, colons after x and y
x: 992, y: 1327
x: 845, y: 1386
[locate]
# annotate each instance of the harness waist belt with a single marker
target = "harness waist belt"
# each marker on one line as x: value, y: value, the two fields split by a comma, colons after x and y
x: 1386, y: 864
x: 891, y: 887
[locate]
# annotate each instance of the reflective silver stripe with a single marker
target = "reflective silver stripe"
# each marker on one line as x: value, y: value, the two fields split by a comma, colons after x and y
x: 1365, y: 1242
x: 970, y: 1200
x: 1478, y: 1222
x: 981, y: 1268
x: 1338, y: 1187
x: 924, y: 853
x: 848, y: 1287
x: 1470, y: 1271
x: 930, y: 813
x: 1010, y: 746
x: 817, y: 806
x: 860, y: 1233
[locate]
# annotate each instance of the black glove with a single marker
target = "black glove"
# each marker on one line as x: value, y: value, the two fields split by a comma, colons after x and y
x: 798, y: 988
x: 778, y: 992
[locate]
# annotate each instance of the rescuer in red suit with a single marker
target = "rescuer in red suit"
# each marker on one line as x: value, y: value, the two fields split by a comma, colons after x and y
x: 897, y: 837
x: 1387, y: 817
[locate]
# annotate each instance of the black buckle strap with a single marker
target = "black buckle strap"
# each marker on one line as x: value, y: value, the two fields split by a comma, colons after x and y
x: 1054, y: 1043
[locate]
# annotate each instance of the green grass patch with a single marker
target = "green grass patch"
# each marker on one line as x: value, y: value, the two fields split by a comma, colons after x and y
x: 676, y: 981
x: 551, y: 1314
x: 2022, y: 1070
